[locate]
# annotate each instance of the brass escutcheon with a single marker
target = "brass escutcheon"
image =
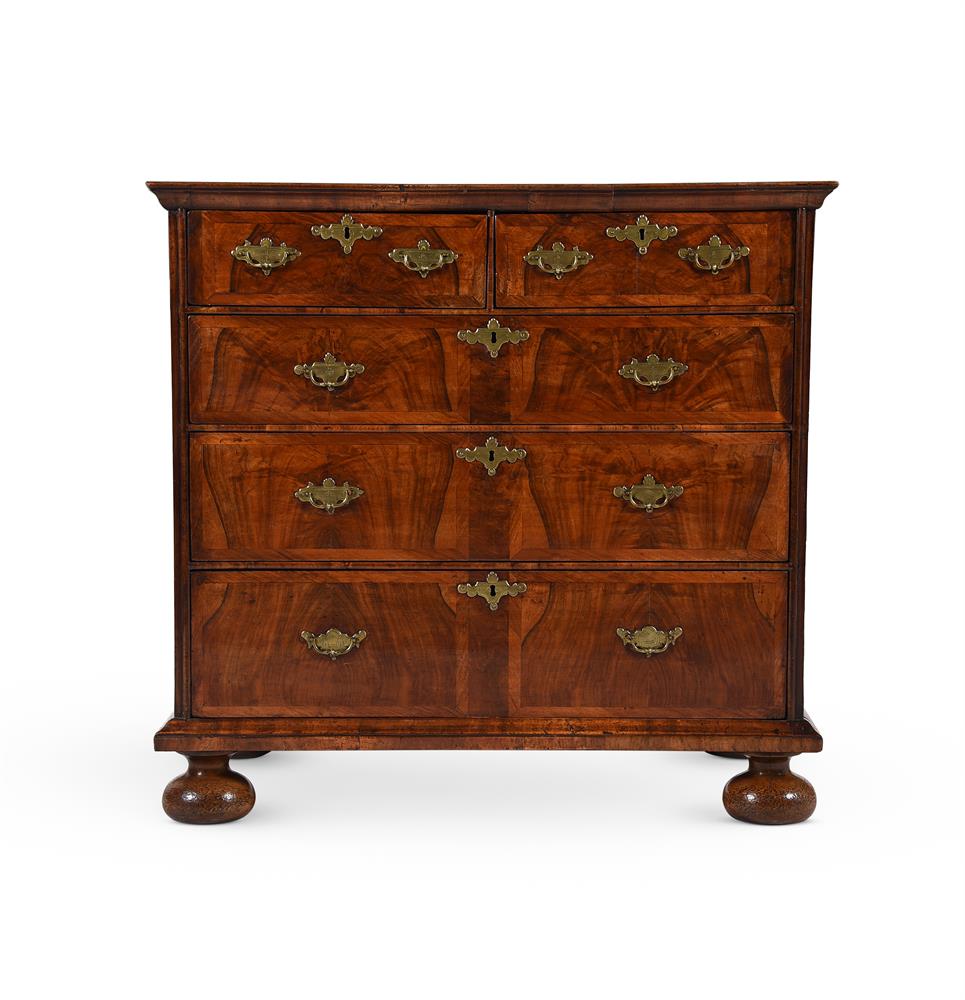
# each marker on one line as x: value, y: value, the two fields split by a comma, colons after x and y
x: 265, y: 256
x: 642, y: 233
x: 652, y: 373
x: 347, y: 231
x: 648, y: 494
x: 713, y: 255
x: 334, y: 642
x: 558, y: 260
x: 649, y: 640
x: 422, y: 257
x: 492, y: 336
x: 491, y: 454
x: 329, y: 373
x: 327, y: 496
x: 493, y: 590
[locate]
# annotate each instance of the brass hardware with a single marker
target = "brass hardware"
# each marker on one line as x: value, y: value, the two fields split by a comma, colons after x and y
x: 649, y: 640
x: 493, y: 590
x: 492, y: 336
x: 648, y: 494
x: 643, y: 232
x: 652, y: 372
x: 491, y: 454
x: 333, y: 643
x: 713, y: 255
x: 558, y: 260
x: 264, y: 255
x: 422, y: 258
x: 347, y: 231
x: 329, y: 373
x: 328, y: 496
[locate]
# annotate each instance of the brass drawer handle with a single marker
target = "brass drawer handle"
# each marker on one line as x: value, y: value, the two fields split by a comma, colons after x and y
x: 492, y: 336
x: 649, y: 640
x: 558, y: 260
x: 347, y: 231
x: 265, y: 256
x: 493, y: 590
x: 333, y: 643
x: 329, y: 373
x: 652, y: 373
x: 648, y: 494
x: 422, y: 257
x: 327, y: 496
x: 713, y: 255
x: 642, y: 233
x: 491, y: 454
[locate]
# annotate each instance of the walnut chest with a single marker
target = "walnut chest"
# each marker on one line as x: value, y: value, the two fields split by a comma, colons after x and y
x: 490, y: 467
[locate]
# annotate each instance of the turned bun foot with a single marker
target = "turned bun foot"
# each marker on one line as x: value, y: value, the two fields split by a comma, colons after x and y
x: 249, y: 754
x: 208, y: 792
x: 769, y: 792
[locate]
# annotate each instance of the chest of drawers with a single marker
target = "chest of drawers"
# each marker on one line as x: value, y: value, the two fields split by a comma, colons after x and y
x: 490, y: 467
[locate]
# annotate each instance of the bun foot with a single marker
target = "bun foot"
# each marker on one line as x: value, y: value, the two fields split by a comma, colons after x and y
x: 769, y: 792
x: 249, y: 754
x: 208, y: 792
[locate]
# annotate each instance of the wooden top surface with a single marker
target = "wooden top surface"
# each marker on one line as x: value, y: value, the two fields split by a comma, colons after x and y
x: 499, y: 197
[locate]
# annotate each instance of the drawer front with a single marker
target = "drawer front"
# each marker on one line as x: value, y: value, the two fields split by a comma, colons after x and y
x: 619, y: 275
x: 405, y: 370
x: 248, y: 657
x: 724, y: 496
x: 322, y: 274
x: 728, y: 662
x: 593, y: 369
x: 551, y: 650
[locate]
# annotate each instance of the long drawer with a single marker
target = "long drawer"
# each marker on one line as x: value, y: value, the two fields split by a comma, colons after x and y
x: 713, y: 369
x: 526, y: 495
x: 645, y: 644
x: 305, y: 259
x: 689, y: 259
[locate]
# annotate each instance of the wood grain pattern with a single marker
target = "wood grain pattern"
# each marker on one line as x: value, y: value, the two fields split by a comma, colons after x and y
x: 241, y: 370
x: 729, y: 662
x: 249, y: 660
x: 323, y: 275
x: 739, y: 369
x: 619, y: 276
x: 421, y: 501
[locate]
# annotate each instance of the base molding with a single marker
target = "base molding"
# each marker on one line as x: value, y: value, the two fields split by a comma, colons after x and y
x: 720, y: 735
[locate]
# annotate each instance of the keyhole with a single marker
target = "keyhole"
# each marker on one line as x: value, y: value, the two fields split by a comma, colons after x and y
x: 347, y: 232
x: 492, y: 456
x: 493, y: 337
x: 492, y: 591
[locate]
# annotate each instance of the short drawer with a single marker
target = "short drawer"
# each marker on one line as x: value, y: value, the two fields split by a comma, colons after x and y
x: 537, y: 265
x: 237, y: 258
x: 384, y: 496
x: 639, y: 643
x: 326, y: 370
x: 712, y: 369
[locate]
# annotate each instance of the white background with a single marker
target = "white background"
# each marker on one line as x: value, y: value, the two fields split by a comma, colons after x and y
x: 477, y: 875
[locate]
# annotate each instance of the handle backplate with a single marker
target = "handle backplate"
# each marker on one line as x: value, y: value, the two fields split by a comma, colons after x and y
x: 652, y: 372
x: 648, y: 494
x: 649, y: 640
x: 329, y: 373
x: 327, y: 495
x: 558, y: 260
x: 422, y: 257
x: 264, y: 255
x: 334, y: 642
x: 713, y: 256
